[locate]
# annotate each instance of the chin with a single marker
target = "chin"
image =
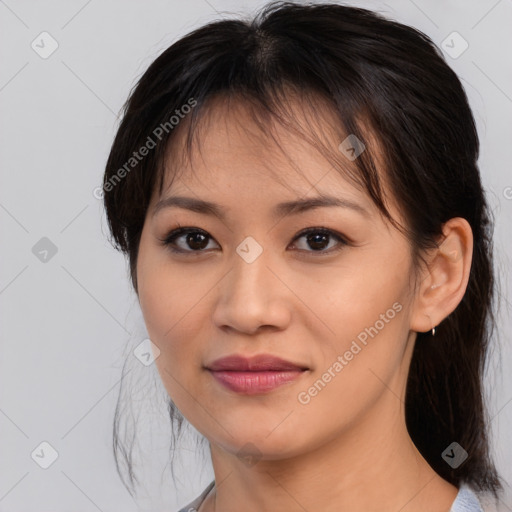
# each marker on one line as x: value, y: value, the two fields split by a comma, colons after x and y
x: 264, y: 443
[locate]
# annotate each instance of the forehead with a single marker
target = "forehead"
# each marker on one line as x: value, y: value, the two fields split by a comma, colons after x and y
x: 242, y: 137
x: 237, y: 147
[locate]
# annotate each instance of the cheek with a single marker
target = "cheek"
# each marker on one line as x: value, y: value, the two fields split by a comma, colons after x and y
x: 167, y: 296
x: 172, y: 322
x: 171, y: 310
x: 349, y: 299
x: 176, y: 307
x: 366, y: 312
x: 170, y: 304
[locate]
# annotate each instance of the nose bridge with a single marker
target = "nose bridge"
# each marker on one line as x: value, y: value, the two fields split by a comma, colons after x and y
x: 250, y: 272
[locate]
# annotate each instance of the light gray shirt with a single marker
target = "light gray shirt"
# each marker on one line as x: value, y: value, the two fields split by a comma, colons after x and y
x: 465, y: 501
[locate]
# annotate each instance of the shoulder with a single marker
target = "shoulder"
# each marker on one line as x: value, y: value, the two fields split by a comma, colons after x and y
x: 466, y: 501
x: 195, y: 504
x: 470, y: 500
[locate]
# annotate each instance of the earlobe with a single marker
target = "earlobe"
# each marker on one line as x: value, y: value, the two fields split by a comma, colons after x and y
x: 445, y: 278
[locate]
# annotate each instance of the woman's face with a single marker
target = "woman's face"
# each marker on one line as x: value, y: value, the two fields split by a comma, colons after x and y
x: 250, y: 283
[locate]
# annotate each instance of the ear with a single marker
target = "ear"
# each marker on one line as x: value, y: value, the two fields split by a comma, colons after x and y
x: 445, y: 278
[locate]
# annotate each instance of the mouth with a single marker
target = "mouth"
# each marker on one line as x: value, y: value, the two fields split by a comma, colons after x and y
x: 256, y: 375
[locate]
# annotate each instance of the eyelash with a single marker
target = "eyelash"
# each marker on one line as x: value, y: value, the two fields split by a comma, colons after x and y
x: 169, y: 240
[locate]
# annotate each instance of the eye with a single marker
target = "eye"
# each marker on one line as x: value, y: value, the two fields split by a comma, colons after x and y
x: 319, y: 239
x: 193, y: 240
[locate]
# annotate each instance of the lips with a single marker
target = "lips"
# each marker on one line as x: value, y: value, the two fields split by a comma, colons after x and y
x: 256, y: 375
x: 262, y: 362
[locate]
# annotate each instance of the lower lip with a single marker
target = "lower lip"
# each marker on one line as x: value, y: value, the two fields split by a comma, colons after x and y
x: 253, y: 383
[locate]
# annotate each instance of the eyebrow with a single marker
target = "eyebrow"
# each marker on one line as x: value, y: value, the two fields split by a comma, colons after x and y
x: 280, y: 210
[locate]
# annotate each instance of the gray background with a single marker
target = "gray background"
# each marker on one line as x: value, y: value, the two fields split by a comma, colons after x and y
x: 67, y: 322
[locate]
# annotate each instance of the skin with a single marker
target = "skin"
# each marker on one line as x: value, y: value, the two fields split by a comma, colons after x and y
x: 348, y: 448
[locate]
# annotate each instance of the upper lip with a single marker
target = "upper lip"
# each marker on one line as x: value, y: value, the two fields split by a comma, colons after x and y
x: 261, y: 362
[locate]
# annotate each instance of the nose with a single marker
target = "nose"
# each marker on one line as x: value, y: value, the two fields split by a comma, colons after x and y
x: 253, y: 296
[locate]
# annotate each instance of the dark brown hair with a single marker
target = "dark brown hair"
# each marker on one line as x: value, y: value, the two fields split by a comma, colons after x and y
x: 374, y: 73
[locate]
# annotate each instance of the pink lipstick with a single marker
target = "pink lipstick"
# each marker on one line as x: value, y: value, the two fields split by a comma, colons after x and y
x: 254, y: 375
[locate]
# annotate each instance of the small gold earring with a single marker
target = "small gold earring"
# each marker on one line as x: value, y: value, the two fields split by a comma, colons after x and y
x: 433, y: 331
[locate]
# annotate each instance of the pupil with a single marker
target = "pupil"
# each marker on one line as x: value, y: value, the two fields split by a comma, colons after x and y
x: 192, y: 243
x: 317, y: 240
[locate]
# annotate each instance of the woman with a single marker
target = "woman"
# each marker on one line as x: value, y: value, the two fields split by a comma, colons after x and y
x: 309, y: 242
